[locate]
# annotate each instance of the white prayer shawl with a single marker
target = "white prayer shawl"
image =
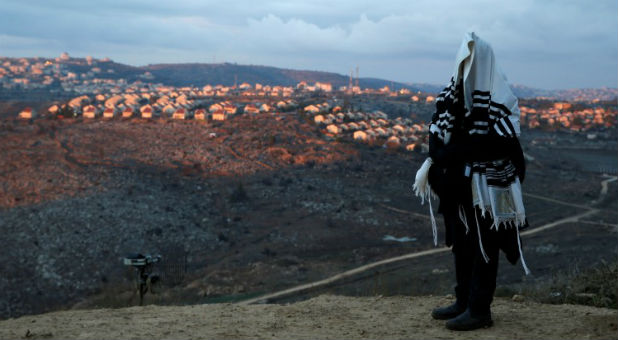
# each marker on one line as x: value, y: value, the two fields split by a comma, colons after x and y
x: 490, y: 106
x: 476, y: 64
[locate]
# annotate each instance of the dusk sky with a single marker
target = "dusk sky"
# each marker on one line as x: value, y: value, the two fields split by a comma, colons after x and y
x: 548, y: 44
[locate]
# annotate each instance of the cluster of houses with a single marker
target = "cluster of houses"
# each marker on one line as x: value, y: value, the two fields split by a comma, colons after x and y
x: 562, y: 115
x: 25, y: 73
x: 164, y: 102
x: 374, y: 128
x: 45, y: 73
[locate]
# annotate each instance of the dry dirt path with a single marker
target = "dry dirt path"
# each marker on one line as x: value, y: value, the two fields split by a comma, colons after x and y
x: 323, y: 317
x: 605, y: 182
x: 301, y: 289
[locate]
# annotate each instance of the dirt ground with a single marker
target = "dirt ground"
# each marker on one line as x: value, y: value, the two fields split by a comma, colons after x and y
x: 323, y: 317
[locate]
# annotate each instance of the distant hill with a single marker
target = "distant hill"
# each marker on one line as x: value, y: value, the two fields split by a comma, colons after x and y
x: 228, y: 74
x: 200, y: 74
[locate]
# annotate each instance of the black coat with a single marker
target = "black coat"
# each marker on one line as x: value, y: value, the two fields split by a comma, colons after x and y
x: 447, y: 177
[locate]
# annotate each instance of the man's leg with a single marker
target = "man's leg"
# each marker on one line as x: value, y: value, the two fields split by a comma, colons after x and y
x: 463, y: 254
x: 483, y: 281
x: 482, y: 284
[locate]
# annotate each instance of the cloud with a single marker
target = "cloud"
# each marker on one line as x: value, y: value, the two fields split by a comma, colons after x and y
x: 402, y: 40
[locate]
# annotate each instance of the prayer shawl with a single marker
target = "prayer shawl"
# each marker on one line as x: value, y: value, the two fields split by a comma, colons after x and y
x: 479, y: 100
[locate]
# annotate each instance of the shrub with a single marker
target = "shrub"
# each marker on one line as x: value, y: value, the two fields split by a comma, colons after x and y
x: 596, y: 286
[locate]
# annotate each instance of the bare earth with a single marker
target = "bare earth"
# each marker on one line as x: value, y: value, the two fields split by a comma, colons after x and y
x: 323, y: 317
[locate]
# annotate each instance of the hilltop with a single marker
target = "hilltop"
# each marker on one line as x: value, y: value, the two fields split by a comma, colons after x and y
x: 323, y: 317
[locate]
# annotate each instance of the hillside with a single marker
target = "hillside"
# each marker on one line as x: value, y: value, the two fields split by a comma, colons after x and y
x: 228, y: 74
x: 323, y: 317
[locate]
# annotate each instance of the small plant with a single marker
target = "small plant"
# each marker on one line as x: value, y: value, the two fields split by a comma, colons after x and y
x: 596, y: 286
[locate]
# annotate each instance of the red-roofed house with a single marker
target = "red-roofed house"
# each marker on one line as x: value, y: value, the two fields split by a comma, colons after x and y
x: 109, y: 113
x: 146, y: 111
x: 229, y: 109
x: 27, y: 113
x: 180, y: 113
x: 251, y: 109
x: 219, y: 115
x: 128, y: 112
x: 200, y: 114
x: 89, y: 111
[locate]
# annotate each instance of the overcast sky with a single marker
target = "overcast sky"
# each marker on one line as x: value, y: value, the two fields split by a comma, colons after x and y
x: 540, y: 43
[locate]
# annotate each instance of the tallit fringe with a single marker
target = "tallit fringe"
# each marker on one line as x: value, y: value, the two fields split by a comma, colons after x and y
x: 434, y: 227
x: 478, y: 230
x: 521, y: 254
x: 423, y: 190
x: 485, y: 198
x: 462, y: 217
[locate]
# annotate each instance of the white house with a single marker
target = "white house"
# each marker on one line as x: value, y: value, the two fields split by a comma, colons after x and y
x: 392, y: 142
x: 128, y: 112
x: 251, y: 109
x: 146, y: 111
x: 219, y: 115
x: 319, y: 119
x: 311, y: 109
x: 89, y: 111
x: 109, y: 113
x: 360, y: 135
x: 332, y: 128
x: 265, y: 108
x: 27, y: 113
x: 180, y: 113
x: 200, y: 114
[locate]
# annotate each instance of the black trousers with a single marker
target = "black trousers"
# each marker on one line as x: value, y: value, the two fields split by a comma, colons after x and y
x: 476, y: 278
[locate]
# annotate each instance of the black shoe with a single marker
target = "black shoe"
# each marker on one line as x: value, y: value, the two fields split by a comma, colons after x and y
x: 448, y: 312
x: 466, y: 322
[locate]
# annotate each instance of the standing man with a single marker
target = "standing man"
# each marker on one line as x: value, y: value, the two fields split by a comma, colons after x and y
x: 476, y: 167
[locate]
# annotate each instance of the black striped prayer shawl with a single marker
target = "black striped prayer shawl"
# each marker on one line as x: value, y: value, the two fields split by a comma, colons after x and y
x: 478, y: 99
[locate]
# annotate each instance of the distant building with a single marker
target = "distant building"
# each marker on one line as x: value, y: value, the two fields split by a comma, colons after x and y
x: 180, y: 113
x: 53, y: 109
x: 200, y: 114
x: 218, y: 115
x: 27, y: 113
x: 265, y: 108
x: 251, y: 109
x: 169, y: 109
x: 109, y: 113
x: 89, y: 111
x: 311, y: 109
x: 360, y: 135
x: 332, y: 128
x: 146, y: 111
x: 215, y: 107
x: 128, y: 112
x: 326, y: 87
x: 392, y: 142
x: 230, y: 109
